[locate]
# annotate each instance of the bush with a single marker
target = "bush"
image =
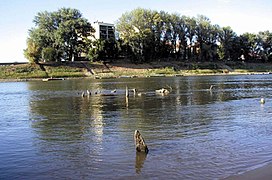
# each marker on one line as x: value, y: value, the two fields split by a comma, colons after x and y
x: 166, y: 70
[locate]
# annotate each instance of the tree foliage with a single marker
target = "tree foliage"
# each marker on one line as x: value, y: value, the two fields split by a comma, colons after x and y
x: 145, y: 35
x: 33, y: 51
x: 103, y: 49
x: 58, y: 35
x: 228, y: 40
x: 152, y: 35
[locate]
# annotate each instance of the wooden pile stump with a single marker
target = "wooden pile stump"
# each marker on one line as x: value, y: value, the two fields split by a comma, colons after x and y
x: 140, y: 143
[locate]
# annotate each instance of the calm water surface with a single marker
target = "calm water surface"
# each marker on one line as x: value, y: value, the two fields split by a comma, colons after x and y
x: 48, y: 131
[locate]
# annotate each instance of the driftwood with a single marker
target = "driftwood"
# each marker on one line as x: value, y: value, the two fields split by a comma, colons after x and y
x: 113, y: 91
x: 87, y: 93
x: 140, y: 143
x: 162, y: 91
x: 211, y: 87
x: 106, y: 94
x: 83, y: 94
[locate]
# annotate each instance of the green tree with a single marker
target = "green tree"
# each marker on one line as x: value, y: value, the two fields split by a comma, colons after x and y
x: 191, y: 26
x: 203, y: 34
x: 265, y: 45
x: 149, y: 35
x: 32, y: 52
x: 103, y: 49
x: 48, y: 54
x: 138, y: 31
x: 249, y: 45
x: 228, y: 44
x: 96, y: 50
x: 64, y: 30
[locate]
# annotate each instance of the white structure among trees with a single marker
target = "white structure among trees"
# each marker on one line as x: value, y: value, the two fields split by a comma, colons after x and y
x: 104, y: 30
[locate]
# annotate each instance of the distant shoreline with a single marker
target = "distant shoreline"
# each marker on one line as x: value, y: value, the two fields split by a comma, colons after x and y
x: 121, y: 69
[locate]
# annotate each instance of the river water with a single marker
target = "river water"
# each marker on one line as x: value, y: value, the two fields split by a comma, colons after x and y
x: 48, y: 131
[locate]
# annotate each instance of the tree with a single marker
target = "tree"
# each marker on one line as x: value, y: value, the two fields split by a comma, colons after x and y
x: 183, y: 31
x: 249, y: 45
x: 96, y: 50
x: 139, y: 30
x: 32, y: 52
x: 228, y: 43
x: 191, y: 31
x: 61, y: 33
x: 48, y: 54
x: 103, y: 49
x: 149, y: 35
x: 203, y: 34
x: 265, y: 45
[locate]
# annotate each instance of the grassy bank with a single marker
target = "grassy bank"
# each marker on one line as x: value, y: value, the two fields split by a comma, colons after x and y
x: 21, y: 71
x: 32, y: 71
x: 119, y: 69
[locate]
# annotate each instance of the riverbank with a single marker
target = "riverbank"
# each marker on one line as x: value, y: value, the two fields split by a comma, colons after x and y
x: 117, y: 69
x: 263, y: 173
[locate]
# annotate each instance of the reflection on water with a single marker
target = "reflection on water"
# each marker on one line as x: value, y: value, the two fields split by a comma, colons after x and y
x: 139, y: 161
x: 48, y: 131
x: 98, y: 126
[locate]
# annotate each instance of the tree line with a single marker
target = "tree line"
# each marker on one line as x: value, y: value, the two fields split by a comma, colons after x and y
x: 143, y: 35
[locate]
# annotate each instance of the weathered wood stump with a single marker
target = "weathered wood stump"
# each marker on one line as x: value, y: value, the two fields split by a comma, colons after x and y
x: 162, y: 91
x: 262, y: 101
x: 139, y: 142
x: 127, y: 93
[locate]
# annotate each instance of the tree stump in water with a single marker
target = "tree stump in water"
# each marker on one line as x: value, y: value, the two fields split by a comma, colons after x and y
x: 139, y: 142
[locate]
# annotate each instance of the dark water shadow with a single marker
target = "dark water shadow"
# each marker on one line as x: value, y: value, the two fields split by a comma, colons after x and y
x: 139, y: 161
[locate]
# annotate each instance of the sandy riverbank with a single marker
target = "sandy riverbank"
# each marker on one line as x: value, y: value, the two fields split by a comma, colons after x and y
x: 261, y: 173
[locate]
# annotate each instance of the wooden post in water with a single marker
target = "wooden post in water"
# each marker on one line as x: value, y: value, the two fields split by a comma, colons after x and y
x: 83, y: 94
x: 139, y: 142
x: 262, y: 101
x: 127, y: 102
x: 127, y: 93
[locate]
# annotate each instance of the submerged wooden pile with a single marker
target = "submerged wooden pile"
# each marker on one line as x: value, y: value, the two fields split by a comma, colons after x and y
x: 139, y: 142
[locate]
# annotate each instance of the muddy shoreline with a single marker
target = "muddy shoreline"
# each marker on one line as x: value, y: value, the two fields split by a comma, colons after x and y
x: 264, y: 173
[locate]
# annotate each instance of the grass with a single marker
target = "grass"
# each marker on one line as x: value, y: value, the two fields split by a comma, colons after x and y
x: 204, y: 71
x: 31, y: 71
x: 165, y: 71
x: 21, y: 72
x: 142, y: 72
x: 64, y: 71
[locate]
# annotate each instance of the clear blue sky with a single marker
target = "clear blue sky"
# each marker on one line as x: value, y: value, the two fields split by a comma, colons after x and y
x: 17, y: 16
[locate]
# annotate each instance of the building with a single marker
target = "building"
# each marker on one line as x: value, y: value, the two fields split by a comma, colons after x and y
x: 104, y: 30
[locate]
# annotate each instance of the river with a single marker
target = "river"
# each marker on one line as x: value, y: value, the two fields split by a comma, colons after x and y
x: 49, y: 131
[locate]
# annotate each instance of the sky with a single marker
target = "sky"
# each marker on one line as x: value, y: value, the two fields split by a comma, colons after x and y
x: 16, y: 16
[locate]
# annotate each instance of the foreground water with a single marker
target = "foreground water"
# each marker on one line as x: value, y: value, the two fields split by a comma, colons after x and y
x: 48, y: 131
